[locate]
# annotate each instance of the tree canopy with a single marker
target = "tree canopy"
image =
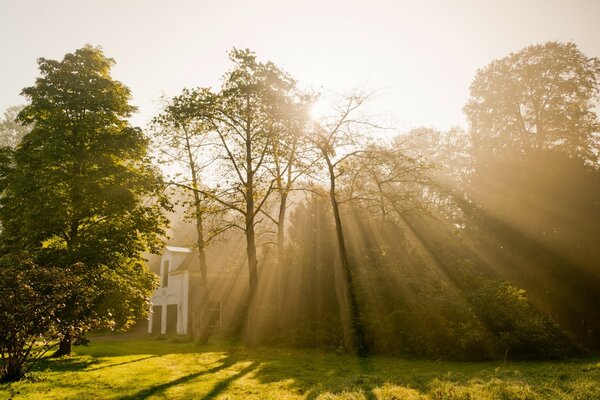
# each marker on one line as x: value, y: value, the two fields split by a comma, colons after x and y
x: 540, y: 97
x: 80, y: 187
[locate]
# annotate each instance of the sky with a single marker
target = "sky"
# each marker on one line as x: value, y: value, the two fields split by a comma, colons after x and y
x: 418, y: 57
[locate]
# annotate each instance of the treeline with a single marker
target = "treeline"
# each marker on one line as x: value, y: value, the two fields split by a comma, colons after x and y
x: 477, y: 243
x: 460, y: 222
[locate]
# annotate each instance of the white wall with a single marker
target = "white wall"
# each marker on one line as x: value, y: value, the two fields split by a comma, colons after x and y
x: 177, y: 292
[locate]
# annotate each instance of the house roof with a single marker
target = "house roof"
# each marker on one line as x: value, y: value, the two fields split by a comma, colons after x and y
x: 176, y: 249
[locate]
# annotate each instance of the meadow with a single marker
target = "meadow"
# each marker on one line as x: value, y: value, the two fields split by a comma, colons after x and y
x: 126, y: 367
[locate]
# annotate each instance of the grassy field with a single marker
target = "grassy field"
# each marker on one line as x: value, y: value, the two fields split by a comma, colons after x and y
x: 126, y: 368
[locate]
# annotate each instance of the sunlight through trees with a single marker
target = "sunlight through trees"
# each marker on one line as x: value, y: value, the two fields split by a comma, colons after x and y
x: 306, y: 225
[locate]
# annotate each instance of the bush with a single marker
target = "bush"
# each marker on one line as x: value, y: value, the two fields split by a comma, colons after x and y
x: 520, y: 330
x: 31, y: 300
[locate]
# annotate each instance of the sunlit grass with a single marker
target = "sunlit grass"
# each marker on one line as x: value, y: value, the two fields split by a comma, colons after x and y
x: 178, y: 369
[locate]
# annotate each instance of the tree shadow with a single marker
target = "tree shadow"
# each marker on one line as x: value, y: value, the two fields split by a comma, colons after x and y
x: 360, y: 380
x: 63, y: 364
x: 354, y: 374
x: 226, y: 363
x: 310, y: 373
x: 224, y: 384
x: 121, y: 363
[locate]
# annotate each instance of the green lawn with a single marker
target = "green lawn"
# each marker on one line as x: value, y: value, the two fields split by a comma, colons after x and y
x: 126, y: 368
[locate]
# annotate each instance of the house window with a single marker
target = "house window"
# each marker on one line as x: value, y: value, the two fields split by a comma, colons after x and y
x: 214, y: 314
x: 165, y: 274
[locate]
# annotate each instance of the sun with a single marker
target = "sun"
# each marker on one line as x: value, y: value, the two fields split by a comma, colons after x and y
x: 320, y: 108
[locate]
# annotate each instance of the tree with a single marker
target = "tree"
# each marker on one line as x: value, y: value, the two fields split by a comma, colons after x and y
x: 540, y: 97
x: 32, y: 298
x: 242, y: 117
x: 80, y: 189
x: 180, y: 131
x: 388, y: 181
x: 533, y: 175
x: 337, y: 140
x: 290, y: 162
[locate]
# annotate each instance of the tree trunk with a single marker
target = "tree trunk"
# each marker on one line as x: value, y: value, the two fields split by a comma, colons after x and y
x: 251, y: 324
x: 203, y: 329
x: 281, y: 250
x: 202, y: 322
x: 251, y: 310
x: 14, y: 369
x: 354, y: 340
x: 64, y: 347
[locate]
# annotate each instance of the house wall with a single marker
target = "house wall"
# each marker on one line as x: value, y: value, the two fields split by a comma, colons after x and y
x: 230, y: 289
x: 227, y: 289
x: 177, y: 292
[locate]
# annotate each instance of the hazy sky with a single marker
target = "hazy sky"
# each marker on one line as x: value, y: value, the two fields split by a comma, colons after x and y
x: 420, y: 55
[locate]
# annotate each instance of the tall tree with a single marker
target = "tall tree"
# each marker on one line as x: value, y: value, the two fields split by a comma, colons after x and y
x: 534, y: 172
x: 180, y: 133
x: 337, y: 140
x: 290, y: 161
x: 241, y: 116
x: 540, y: 97
x: 80, y: 189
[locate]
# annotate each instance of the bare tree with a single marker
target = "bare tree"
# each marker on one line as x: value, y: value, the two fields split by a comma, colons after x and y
x: 337, y: 140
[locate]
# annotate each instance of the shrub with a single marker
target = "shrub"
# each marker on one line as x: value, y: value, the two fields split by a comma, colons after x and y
x: 31, y: 300
x: 520, y: 330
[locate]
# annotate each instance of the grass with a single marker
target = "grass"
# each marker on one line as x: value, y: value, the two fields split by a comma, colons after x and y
x: 129, y: 368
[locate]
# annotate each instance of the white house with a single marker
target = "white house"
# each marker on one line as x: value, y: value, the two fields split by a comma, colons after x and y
x: 176, y: 302
x: 171, y: 301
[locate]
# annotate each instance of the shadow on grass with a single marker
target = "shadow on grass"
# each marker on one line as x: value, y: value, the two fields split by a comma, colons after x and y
x: 219, y: 387
x: 359, y: 380
x: 224, y: 384
x: 122, y: 363
x: 63, y: 364
x: 67, y: 364
x: 311, y: 373
x: 316, y: 374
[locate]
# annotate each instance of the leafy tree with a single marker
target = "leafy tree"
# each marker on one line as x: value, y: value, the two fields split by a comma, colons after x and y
x: 540, y: 97
x: 180, y: 133
x: 32, y: 298
x: 242, y: 116
x: 310, y: 314
x: 528, y: 196
x: 80, y: 189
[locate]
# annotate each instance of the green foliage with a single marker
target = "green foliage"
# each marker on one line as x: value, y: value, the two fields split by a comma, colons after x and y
x: 310, y: 313
x: 520, y: 188
x: 80, y: 187
x: 417, y: 297
x: 33, y: 300
x: 534, y: 216
x: 540, y: 97
x: 521, y: 331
